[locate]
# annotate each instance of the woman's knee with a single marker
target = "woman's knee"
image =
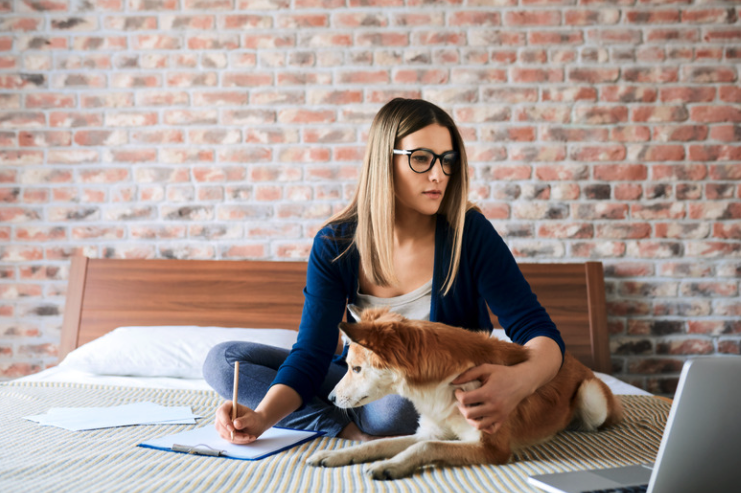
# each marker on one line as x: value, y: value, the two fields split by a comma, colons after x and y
x: 217, y: 369
x: 389, y: 416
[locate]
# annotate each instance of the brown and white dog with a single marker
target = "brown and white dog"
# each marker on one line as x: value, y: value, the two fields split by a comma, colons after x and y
x: 389, y: 354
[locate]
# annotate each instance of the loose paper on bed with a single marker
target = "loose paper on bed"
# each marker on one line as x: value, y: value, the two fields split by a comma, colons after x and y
x: 93, y: 418
x: 271, y: 442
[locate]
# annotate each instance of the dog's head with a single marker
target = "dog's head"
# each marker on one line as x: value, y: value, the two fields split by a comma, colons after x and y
x: 374, y: 347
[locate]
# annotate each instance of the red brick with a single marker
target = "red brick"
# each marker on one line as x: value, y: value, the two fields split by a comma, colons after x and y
x: 598, y: 249
x: 306, y: 116
x: 573, y: 230
x: 532, y: 18
x: 385, y: 95
x: 569, y: 94
x: 681, y: 133
x: 438, y: 37
x: 725, y: 171
x: 685, y: 346
x: 727, y: 231
x: 597, y: 115
x: 477, y: 76
x: 628, y: 94
x: 713, y: 249
x: 18, y: 369
x: 655, y: 249
x: 587, y: 17
x: 715, y: 153
x: 630, y: 133
x: 728, y: 133
x: 382, y: 38
x: 599, y: 211
x: 628, y: 269
x: 715, y: 114
x: 715, y: 210
x: 81, y: 81
x: 421, y: 76
x: 620, y: 172
x: 533, y: 75
x: 688, y: 172
x: 729, y: 346
x: 542, y: 113
x: 623, y: 231
x: 507, y: 133
x: 719, y: 191
x: 684, y: 231
x: 708, y: 75
x: 294, y: 251
x: 730, y: 94
x: 655, y: 366
x: 330, y: 96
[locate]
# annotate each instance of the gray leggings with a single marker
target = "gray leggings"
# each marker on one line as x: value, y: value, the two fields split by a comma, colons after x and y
x: 258, y: 365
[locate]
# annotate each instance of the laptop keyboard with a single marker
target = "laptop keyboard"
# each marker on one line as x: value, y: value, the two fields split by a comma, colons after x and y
x: 642, y: 488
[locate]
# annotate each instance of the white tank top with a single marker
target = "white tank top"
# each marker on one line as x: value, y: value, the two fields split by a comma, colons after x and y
x: 414, y: 305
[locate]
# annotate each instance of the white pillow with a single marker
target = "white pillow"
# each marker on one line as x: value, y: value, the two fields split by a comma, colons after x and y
x: 164, y: 351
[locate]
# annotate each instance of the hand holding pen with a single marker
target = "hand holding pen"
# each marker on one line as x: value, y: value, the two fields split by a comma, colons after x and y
x: 237, y: 423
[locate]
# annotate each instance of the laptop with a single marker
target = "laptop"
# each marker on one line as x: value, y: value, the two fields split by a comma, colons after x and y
x: 701, y: 446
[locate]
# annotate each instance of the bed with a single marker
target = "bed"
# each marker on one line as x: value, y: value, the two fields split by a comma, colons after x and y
x: 166, y: 313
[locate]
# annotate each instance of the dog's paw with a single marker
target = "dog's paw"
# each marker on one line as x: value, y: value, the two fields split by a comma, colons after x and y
x: 329, y: 458
x: 388, y: 470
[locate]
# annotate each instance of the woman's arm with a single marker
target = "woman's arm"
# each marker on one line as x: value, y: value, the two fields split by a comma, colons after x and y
x: 503, y: 387
x: 300, y: 376
x: 501, y: 283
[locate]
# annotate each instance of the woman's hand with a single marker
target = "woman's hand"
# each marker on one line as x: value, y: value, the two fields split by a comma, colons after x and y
x: 503, y: 387
x: 247, y: 427
x: 488, y: 406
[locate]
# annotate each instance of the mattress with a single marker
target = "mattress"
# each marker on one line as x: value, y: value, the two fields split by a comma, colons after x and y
x: 37, y: 458
x: 165, y: 363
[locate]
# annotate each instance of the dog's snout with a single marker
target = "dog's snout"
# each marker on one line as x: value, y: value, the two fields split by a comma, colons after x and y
x: 332, y: 397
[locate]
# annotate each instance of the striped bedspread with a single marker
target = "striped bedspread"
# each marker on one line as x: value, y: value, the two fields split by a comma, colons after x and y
x: 36, y: 458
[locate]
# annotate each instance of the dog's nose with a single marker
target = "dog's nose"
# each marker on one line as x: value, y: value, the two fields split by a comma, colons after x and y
x: 332, y: 398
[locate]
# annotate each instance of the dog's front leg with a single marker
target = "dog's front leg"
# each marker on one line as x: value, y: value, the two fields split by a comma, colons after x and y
x: 428, y: 452
x: 382, y: 448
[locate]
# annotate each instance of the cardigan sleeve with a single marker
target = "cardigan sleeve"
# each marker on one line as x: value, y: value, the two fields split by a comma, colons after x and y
x: 325, y: 297
x: 503, y: 286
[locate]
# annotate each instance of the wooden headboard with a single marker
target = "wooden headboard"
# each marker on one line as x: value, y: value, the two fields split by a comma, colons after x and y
x: 107, y: 293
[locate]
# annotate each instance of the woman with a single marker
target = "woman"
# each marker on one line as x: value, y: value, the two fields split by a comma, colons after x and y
x: 409, y: 239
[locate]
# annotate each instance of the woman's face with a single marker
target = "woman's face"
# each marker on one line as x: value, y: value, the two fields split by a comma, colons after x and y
x: 421, y: 192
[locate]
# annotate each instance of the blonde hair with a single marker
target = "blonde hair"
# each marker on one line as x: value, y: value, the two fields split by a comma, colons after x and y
x: 373, y: 207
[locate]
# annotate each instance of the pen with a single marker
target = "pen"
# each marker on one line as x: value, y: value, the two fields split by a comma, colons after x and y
x: 235, y: 394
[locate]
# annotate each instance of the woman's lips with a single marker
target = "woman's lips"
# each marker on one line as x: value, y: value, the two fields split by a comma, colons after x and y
x: 433, y: 194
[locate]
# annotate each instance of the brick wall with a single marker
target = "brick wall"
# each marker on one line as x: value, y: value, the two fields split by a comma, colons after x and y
x: 231, y: 129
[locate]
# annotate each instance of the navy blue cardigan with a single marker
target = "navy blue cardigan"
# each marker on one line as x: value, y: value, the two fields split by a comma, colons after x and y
x: 488, y: 274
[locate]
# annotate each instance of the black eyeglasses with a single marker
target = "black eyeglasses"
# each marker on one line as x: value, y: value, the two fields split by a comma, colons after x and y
x: 422, y: 160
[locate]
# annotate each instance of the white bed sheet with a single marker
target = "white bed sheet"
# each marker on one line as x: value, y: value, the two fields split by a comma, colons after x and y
x: 58, y: 374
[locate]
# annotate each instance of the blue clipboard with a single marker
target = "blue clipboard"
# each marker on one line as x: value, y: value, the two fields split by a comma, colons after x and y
x: 207, y: 442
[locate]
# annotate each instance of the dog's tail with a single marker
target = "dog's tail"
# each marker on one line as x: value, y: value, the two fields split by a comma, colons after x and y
x: 596, y: 406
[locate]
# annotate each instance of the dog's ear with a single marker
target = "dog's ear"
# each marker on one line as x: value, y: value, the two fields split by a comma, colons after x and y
x: 357, y: 332
x: 345, y: 330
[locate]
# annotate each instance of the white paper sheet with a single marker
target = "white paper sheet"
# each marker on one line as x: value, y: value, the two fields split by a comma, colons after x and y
x: 272, y: 441
x: 92, y: 418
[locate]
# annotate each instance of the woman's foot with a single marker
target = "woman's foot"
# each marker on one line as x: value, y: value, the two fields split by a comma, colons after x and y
x: 352, y: 432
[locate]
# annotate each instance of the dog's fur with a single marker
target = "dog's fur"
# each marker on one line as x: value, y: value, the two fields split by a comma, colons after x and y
x: 418, y: 360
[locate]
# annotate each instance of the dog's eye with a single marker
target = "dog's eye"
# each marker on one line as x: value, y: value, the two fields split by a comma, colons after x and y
x: 356, y: 369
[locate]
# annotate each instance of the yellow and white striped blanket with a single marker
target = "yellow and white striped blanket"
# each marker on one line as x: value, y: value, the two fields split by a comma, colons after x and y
x: 36, y: 459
